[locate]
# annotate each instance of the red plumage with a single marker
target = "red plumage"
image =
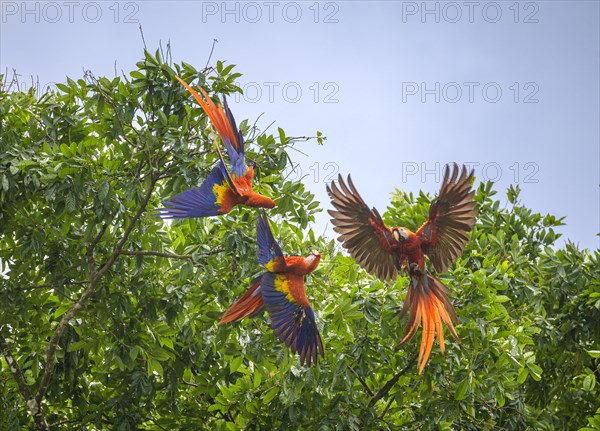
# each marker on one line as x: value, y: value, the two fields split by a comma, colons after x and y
x: 385, y: 251
x: 281, y: 292
x: 224, y: 188
x: 249, y: 305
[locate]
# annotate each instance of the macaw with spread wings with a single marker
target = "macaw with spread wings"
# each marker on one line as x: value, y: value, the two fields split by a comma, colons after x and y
x: 222, y: 189
x: 384, y: 252
x: 281, y: 291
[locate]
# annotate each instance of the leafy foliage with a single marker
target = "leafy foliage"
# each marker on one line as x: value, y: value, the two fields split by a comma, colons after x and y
x: 81, y: 171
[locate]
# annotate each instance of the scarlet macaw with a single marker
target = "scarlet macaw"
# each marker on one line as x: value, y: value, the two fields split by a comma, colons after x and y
x: 384, y: 252
x: 281, y: 291
x: 221, y: 190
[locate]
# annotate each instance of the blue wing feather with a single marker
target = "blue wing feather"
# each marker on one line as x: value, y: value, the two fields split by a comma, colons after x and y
x: 235, y: 150
x: 224, y: 170
x: 197, y: 202
x: 293, y: 326
x: 268, y: 248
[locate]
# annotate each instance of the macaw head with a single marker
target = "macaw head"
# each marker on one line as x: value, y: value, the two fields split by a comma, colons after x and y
x: 313, y: 260
x: 400, y: 234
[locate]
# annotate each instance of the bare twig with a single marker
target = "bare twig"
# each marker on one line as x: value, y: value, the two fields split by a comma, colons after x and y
x: 169, y: 58
x: 254, y: 128
x: 301, y: 138
x: 297, y: 150
x: 143, y: 40
x: 268, y: 127
x: 215, y: 41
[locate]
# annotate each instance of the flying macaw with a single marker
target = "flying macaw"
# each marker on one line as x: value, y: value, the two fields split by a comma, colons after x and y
x: 222, y: 190
x: 281, y: 291
x: 384, y: 252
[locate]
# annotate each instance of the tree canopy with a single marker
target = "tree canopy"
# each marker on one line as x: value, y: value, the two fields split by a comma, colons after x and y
x: 108, y: 315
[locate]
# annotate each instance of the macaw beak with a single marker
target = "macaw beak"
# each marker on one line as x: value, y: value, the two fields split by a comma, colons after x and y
x: 400, y: 235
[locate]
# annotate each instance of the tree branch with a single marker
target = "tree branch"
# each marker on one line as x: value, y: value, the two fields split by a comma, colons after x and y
x: 388, y: 386
x: 87, y: 293
x: 170, y: 255
x: 382, y: 415
x: 362, y: 381
x: 32, y: 403
x: 119, y: 247
x: 90, y: 250
x: 211, y: 53
x: 53, y: 285
x: 300, y: 138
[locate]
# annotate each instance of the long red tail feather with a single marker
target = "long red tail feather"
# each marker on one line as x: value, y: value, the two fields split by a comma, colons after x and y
x: 248, y: 305
x: 216, y: 114
x: 428, y: 303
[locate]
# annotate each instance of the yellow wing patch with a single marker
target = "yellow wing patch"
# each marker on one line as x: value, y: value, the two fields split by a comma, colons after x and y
x: 220, y: 191
x: 282, y: 285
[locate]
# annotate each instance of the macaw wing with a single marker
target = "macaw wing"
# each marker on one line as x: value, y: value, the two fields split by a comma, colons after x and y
x: 362, y: 231
x: 292, y: 318
x: 202, y: 201
x: 451, y: 219
x: 223, y: 120
x: 269, y: 252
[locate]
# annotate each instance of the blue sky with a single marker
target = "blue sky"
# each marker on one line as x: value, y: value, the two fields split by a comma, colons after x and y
x: 398, y: 88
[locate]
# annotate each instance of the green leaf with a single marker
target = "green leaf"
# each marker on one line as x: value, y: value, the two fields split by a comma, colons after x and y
x: 227, y: 69
x: 535, y: 371
x: 594, y: 422
x: 70, y: 202
x: 589, y: 382
x: 62, y: 309
x: 82, y: 344
x: 269, y: 395
x: 103, y: 190
x: 594, y: 353
x: 158, y: 353
x: 501, y: 298
x: 462, y: 390
x: 134, y: 352
x: 523, y: 373
x: 154, y: 366
x: 235, y: 364
x: 65, y: 150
